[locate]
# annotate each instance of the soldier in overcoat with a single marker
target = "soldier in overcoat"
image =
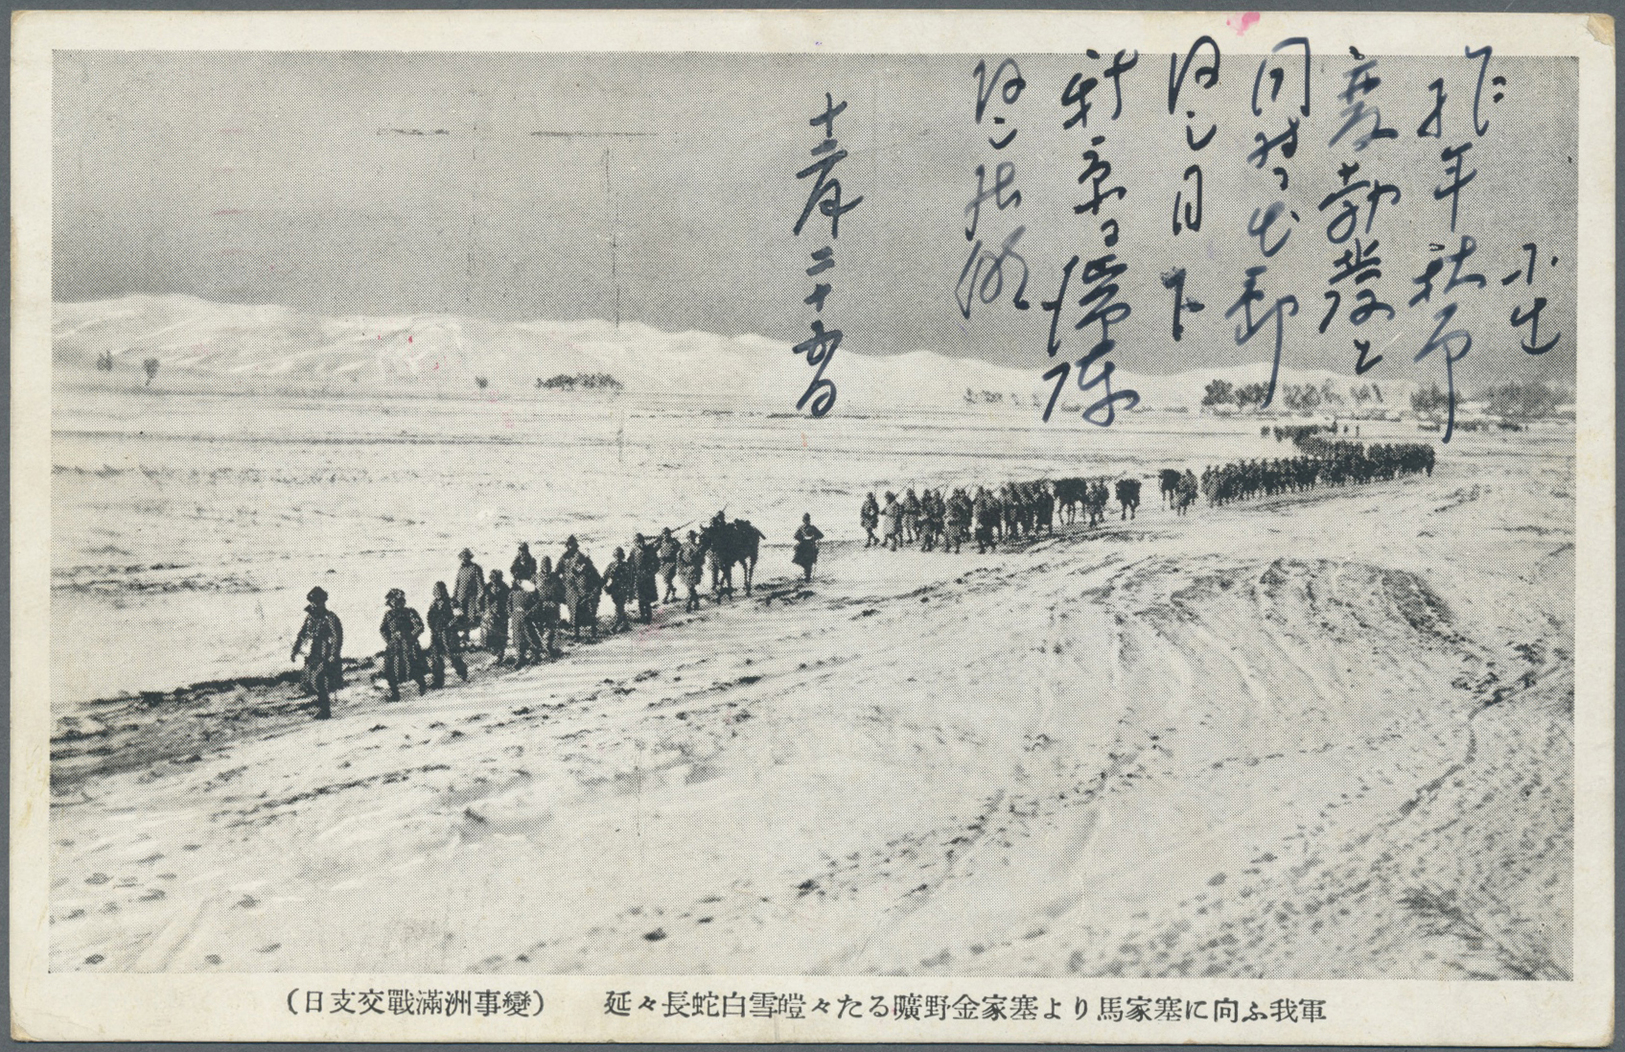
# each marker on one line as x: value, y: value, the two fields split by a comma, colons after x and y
x: 445, y: 643
x: 494, y: 615
x: 523, y: 603
x: 524, y: 565
x: 646, y: 576
x: 869, y: 518
x: 403, y: 655
x: 619, y: 583
x: 669, y: 553
x: 324, y: 668
x: 468, y: 590
x: 692, y: 560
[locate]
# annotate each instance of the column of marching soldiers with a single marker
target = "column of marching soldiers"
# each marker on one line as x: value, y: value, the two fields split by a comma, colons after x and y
x: 1320, y: 461
x: 1013, y: 510
x: 990, y: 516
x: 526, y: 613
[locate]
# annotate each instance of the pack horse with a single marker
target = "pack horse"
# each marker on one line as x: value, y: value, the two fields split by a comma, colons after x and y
x: 729, y: 544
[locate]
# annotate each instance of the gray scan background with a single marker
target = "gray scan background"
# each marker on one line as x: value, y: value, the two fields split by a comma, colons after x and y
x: 1615, y: 8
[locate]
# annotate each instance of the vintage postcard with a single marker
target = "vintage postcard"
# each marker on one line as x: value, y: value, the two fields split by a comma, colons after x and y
x: 813, y: 526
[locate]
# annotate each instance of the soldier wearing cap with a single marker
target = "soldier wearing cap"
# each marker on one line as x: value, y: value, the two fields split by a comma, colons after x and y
x: 869, y: 518
x: 549, y: 594
x: 692, y: 560
x: 324, y: 669
x: 668, y: 552
x: 524, y: 565
x: 444, y: 642
x: 523, y: 601
x: 403, y: 656
x: 645, y: 563
x: 618, y: 585
x: 582, y: 583
x: 572, y: 552
x: 468, y: 591
x: 494, y: 603
x: 806, y: 553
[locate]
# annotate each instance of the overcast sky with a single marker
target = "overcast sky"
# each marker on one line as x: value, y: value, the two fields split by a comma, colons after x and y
x: 663, y: 187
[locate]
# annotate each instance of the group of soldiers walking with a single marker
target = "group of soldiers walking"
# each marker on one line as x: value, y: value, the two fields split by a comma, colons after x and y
x: 525, y: 609
x: 938, y: 523
x: 1025, y: 509
x: 1330, y: 462
x: 1179, y: 489
x: 988, y: 517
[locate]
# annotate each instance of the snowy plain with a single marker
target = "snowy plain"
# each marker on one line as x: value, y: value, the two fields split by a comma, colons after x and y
x: 1326, y: 735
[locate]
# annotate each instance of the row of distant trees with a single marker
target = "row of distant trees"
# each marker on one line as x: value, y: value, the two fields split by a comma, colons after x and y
x: 1521, y: 398
x: 1526, y: 398
x: 986, y: 397
x: 104, y: 363
x: 566, y: 382
x: 587, y: 381
x: 1293, y: 397
x: 1530, y: 398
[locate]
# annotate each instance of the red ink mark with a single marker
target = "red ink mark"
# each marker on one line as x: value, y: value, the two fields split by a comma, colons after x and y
x: 804, y: 440
x: 1242, y: 22
x: 437, y: 367
x: 409, y: 339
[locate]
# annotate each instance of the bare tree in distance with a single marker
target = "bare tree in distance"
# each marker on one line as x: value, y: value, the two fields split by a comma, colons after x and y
x: 151, y: 366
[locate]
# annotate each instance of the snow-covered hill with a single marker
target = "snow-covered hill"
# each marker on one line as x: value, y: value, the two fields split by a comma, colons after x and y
x: 235, y: 348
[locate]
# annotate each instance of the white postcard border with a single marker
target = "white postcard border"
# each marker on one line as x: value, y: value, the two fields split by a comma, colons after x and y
x: 261, y: 1007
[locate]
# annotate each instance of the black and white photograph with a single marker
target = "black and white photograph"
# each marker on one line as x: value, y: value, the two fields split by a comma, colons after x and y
x: 1078, y: 534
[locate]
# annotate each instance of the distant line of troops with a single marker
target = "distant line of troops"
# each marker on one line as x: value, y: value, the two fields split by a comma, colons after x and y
x: 526, y: 612
x: 1323, y: 461
x: 1008, y: 512
x: 1026, y: 509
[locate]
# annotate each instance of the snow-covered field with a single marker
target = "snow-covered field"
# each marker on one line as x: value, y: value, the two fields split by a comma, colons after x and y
x: 1322, y: 736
